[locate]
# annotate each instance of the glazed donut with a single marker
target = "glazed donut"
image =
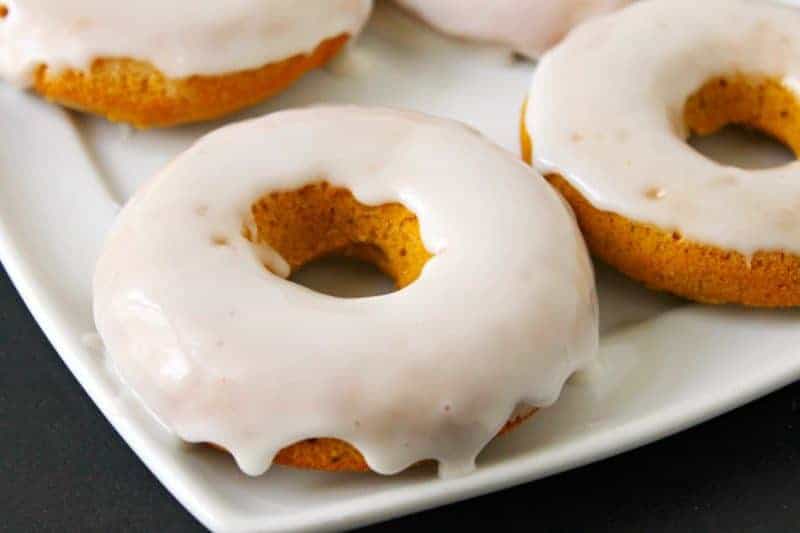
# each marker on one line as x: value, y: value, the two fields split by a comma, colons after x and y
x: 607, y: 120
x: 161, y: 63
x: 529, y: 27
x: 496, y: 308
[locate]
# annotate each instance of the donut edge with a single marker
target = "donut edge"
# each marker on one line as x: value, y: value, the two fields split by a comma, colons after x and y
x: 135, y: 92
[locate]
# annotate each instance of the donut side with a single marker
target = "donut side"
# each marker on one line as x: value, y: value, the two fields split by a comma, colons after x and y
x: 666, y: 261
x: 334, y: 455
x: 134, y: 91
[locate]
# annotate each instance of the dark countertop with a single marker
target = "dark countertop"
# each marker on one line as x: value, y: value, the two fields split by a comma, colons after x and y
x: 63, y: 468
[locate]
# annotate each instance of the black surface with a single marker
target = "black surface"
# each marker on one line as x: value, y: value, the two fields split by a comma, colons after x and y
x: 63, y: 468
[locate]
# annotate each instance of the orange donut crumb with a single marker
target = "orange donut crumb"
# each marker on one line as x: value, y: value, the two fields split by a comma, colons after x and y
x: 319, y: 220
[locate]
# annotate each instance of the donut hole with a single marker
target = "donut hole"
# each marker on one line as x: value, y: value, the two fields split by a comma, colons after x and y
x: 3, y: 11
x: 344, y: 277
x: 749, y: 122
x: 322, y: 229
x: 743, y: 147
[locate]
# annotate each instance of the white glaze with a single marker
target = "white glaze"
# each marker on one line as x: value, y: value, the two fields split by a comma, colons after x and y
x: 224, y: 351
x: 181, y: 38
x: 606, y: 112
x: 528, y: 27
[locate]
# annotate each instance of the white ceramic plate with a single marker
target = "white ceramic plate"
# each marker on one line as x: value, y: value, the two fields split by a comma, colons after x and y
x: 665, y: 366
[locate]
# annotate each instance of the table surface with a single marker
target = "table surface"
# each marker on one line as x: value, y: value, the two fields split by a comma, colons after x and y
x: 64, y: 468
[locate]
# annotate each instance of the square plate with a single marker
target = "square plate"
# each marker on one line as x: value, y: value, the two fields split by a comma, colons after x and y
x: 665, y: 365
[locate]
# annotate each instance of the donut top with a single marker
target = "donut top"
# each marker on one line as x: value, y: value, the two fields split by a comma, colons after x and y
x: 528, y: 27
x: 224, y: 350
x: 606, y: 112
x: 179, y: 37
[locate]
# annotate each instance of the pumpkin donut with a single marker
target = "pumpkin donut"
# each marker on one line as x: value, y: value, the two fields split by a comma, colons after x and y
x: 607, y: 120
x: 496, y: 305
x: 162, y: 63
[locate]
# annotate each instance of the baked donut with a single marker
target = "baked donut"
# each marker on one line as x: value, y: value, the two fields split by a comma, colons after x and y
x: 529, y: 27
x: 607, y: 120
x: 161, y: 63
x: 496, y: 307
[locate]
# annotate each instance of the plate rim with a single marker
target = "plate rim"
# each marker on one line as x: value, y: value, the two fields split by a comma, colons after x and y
x: 605, y: 444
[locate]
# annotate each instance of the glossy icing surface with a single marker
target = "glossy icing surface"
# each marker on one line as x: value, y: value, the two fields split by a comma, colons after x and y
x: 222, y: 350
x: 606, y: 112
x: 529, y: 27
x: 181, y: 38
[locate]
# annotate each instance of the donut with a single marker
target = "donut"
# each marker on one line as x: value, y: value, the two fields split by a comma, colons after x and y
x: 495, y: 306
x: 154, y: 63
x: 607, y: 119
x: 529, y: 27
